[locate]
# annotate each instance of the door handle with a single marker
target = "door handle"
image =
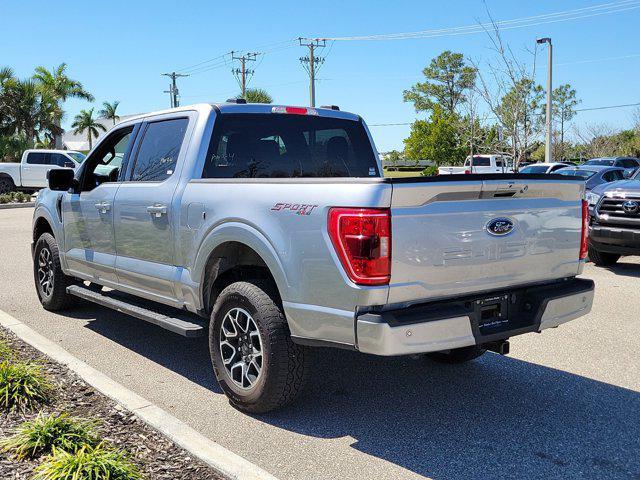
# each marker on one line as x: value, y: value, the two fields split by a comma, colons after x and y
x: 103, y: 207
x: 157, y: 210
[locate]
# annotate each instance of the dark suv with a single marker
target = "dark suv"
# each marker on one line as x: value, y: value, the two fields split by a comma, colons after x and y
x: 630, y: 164
x: 615, y: 220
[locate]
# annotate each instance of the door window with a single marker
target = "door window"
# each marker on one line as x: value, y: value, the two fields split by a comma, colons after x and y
x: 38, y: 158
x: 61, y: 160
x: 105, y: 162
x: 159, y: 149
x: 613, y: 175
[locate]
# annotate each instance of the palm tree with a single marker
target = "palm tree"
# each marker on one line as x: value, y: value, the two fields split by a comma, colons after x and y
x: 257, y: 95
x: 85, y: 122
x: 57, y: 87
x: 109, y: 111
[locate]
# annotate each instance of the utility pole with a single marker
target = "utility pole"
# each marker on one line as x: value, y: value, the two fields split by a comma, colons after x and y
x: 242, y: 73
x: 173, y: 88
x: 547, y: 147
x: 311, y: 63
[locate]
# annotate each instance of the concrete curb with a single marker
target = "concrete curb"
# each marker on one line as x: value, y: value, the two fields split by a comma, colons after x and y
x: 5, y: 206
x: 215, y: 455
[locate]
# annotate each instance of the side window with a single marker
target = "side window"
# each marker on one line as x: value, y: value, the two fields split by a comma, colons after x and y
x: 60, y: 160
x: 38, y: 158
x: 159, y: 149
x: 104, y: 164
x: 499, y: 162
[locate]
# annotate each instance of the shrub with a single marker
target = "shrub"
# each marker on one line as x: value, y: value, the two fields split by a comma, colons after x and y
x: 46, y: 432
x: 21, y: 197
x: 22, y: 386
x: 6, y: 198
x: 88, y: 463
x: 5, y: 351
x: 430, y: 171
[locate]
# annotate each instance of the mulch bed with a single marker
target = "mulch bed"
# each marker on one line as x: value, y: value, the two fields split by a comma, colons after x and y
x: 157, y: 457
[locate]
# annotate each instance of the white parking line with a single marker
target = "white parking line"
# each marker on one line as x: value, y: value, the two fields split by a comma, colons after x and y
x: 215, y: 455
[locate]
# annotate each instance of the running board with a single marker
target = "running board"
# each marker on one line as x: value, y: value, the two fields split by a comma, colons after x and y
x: 176, y: 325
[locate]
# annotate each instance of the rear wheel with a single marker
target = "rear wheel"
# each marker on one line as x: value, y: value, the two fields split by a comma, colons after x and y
x: 457, y: 355
x: 51, y: 282
x: 254, y: 359
x: 603, y: 259
x: 6, y: 185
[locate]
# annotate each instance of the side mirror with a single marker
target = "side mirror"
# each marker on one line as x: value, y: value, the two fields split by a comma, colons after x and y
x: 60, y: 179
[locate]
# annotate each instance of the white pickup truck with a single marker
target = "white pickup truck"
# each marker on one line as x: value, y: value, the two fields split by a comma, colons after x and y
x: 481, y: 164
x: 31, y: 173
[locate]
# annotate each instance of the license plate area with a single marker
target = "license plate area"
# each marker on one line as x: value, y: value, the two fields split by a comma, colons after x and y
x: 492, y: 314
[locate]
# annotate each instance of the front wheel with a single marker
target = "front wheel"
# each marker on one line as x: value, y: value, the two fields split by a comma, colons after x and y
x: 457, y: 355
x: 254, y: 359
x: 51, y: 282
x: 603, y: 259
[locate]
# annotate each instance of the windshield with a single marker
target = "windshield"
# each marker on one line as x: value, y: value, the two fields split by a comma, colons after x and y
x: 534, y: 169
x: 575, y: 172
x: 600, y: 161
x: 285, y: 146
x: 77, y: 156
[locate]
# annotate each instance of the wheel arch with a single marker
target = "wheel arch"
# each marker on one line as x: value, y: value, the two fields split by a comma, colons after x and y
x: 232, y: 253
x: 41, y: 225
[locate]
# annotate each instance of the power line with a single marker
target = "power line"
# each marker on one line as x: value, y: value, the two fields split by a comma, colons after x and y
x: 590, y: 109
x: 562, y: 16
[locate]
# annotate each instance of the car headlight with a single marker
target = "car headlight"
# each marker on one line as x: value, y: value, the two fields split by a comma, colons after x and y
x: 592, y: 198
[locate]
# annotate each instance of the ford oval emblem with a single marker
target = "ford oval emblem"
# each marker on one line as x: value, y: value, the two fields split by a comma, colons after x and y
x: 500, y: 226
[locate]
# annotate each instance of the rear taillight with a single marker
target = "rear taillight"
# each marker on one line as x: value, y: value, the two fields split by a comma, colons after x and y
x: 294, y: 110
x: 584, y: 239
x: 362, y: 239
x: 467, y: 172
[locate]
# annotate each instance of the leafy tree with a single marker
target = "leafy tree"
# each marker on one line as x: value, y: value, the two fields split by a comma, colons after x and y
x: 435, y: 139
x: 109, y: 111
x: 84, y: 122
x: 447, y: 79
x: 56, y: 87
x: 394, y: 157
x: 564, y: 102
x: 256, y: 95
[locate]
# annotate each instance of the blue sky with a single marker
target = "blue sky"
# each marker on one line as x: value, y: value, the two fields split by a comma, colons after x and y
x: 118, y: 49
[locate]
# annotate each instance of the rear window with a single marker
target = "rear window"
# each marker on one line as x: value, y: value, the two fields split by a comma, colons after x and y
x: 576, y: 173
x: 285, y: 146
x: 534, y: 169
x: 600, y: 161
x: 481, y: 162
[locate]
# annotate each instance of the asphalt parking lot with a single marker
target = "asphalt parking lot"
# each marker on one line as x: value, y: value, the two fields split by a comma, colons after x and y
x: 564, y: 404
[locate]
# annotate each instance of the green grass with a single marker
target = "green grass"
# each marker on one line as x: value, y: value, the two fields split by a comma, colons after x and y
x: 45, y: 432
x: 101, y: 462
x: 23, y: 386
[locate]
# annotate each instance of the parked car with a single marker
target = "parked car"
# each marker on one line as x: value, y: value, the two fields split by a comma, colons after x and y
x: 594, y: 175
x: 481, y: 164
x: 615, y: 221
x: 543, y: 167
x: 31, y: 173
x: 629, y: 164
x: 272, y: 228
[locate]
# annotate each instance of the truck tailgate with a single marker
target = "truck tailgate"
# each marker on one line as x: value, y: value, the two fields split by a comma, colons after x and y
x: 442, y: 246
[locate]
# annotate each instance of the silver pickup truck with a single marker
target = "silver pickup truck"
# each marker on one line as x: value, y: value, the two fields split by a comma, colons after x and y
x: 273, y: 229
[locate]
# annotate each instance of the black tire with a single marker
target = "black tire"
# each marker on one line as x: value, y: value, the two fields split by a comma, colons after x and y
x: 283, y: 363
x: 457, y: 355
x: 52, y: 297
x: 603, y: 259
x: 6, y: 185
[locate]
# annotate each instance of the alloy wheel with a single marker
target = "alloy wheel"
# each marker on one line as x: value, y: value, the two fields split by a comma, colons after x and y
x: 241, y: 347
x: 45, y: 271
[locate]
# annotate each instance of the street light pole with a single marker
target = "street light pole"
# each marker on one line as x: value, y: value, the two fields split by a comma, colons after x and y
x: 547, y: 147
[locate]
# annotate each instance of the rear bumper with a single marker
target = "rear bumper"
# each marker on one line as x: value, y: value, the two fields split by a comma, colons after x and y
x: 457, y: 323
x: 608, y: 239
